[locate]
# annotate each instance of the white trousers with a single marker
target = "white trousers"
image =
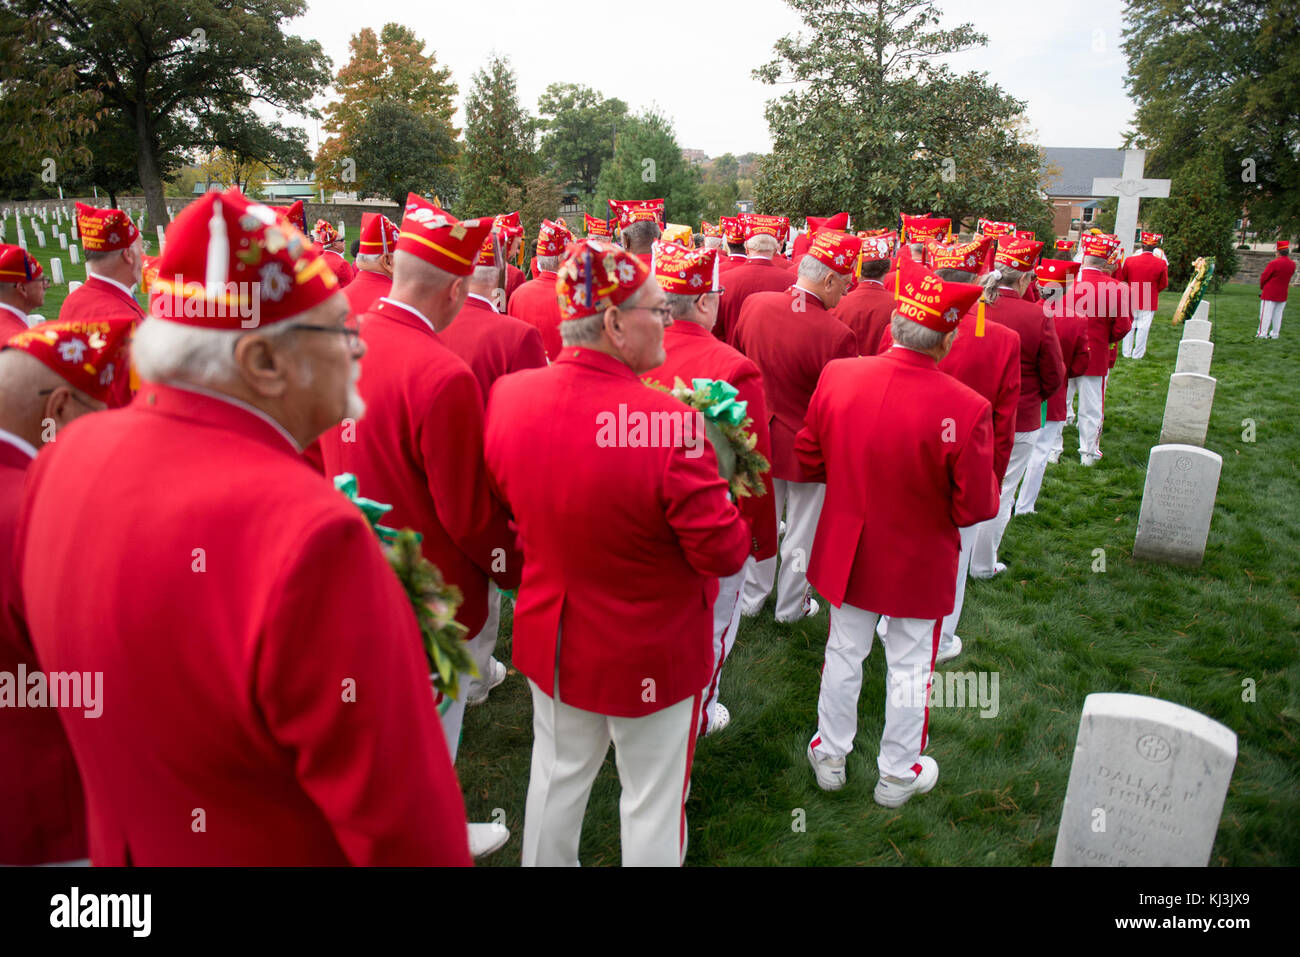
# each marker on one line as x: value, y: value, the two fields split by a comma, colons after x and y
x: 802, y: 503
x: 988, y: 537
x: 910, y: 647
x: 1091, y: 391
x: 1049, y: 440
x: 968, y: 535
x: 1071, y: 387
x: 654, y: 756
x: 1270, y: 318
x: 484, y: 643
x: 726, y: 622
x: 454, y: 717
x: 1134, y: 343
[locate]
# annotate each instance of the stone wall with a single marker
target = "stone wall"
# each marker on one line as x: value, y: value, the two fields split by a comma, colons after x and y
x: 1250, y: 264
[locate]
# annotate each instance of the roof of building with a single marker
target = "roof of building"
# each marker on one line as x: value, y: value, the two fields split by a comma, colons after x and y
x: 1078, y: 166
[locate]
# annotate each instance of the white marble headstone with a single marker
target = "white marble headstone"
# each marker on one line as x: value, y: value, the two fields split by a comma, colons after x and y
x: 1202, y: 311
x: 74, y: 255
x: 56, y: 272
x: 1147, y: 785
x: 74, y: 286
x: 1197, y: 329
x: 40, y: 239
x: 1177, y: 504
x: 63, y: 241
x: 1194, y: 355
x: 1187, y: 408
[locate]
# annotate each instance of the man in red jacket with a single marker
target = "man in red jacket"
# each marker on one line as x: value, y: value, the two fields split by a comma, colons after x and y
x: 114, y: 267
x: 907, y: 456
x: 22, y: 289
x: 331, y: 246
x: 790, y: 336
x: 419, y: 447
x: 1072, y: 333
x: 615, y: 640
x: 534, y: 302
x: 49, y: 376
x: 867, y: 309
x: 689, y: 279
x: 374, y: 277
x: 1042, y: 372
x: 511, y: 228
x: 267, y: 698
x: 1103, y: 300
x: 1147, y: 276
x: 757, y: 274
x: 1273, y: 283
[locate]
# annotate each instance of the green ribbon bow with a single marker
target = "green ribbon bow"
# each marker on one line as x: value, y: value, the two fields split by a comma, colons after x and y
x: 721, y: 397
x: 373, y: 511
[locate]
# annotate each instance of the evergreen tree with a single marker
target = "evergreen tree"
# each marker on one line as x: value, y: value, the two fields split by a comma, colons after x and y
x: 648, y: 164
x: 500, y: 137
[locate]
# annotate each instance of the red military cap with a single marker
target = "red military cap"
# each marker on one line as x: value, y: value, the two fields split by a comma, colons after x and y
x: 1283, y: 245
x: 596, y: 227
x: 1055, y: 270
x: 509, y: 226
x: 148, y: 273
x: 439, y: 238
x: 295, y: 214
x: 595, y: 276
x: 917, y: 229
x: 625, y: 211
x: 1065, y: 245
x: 18, y: 265
x: 709, y: 231
x: 379, y: 235
x: 684, y: 271
x: 103, y: 230
x: 839, y: 222
x: 1152, y: 239
x: 493, y: 250
x: 839, y: 251
x: 1023, y: 234
x: 324, y: 233
x: 1017, y: 253
x: 991, y: 227
x: 875, y: 248
x: 755, y: 224
x: 87, y: 355
x: 926, y: 299
x: 501, y: 220
x: 733, y: 230
x: 968, y: 257
x: 228, y: 259
x: 552, y: 238
x: 1099, y: 245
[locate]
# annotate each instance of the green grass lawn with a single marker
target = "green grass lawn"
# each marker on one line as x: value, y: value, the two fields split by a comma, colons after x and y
x: 1052, y: 628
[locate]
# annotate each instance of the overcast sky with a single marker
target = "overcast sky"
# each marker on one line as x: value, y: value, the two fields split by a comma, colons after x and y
x: 693, y: 60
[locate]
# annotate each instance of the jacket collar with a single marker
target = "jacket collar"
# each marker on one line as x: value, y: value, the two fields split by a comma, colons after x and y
x: 684, y: 327
x: 117, y: 289
x: 595, y: 360
x: 15, y: 448
x: 910, y: 357
x: 479, y: 304
x: 402, y: 313
x: 217, y: 410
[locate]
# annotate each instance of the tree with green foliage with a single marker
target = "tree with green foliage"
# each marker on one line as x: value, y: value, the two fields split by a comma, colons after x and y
x: 1222, y: 79
x: 392, y: 69
x: 648, y: 164
x: 500, y: 150
x: 1196, y: 220
x: 876, y: 125
x: 579, y: 128
x: 400, y: 150
x: 172, y: 69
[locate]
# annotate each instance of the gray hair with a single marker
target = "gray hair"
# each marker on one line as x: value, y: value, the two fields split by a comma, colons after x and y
x: 171, y: 352
x: 484, y: 275
x: 584, y: 331
x: 1000, y: 276
x: 913, y: 335
x: 762, y: 244
x: 641, y: 233
x: 369, y: 259
x: 548, y: 263
x: 713, y: 242
x: 956, y: 275
x: 1096, y: 262
x: 813, y: 268
x: 681, y: 304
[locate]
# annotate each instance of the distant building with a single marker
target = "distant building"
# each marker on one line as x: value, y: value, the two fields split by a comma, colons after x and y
x: 1066, y: 177
x: 695, y: 157
x: 282, y: 191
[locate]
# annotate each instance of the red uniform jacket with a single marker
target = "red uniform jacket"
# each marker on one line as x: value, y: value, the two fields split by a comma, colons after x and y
x: 693, y: 353
x: 989, y: 364
x: 757, y: 275
x: 534, y: 302
x: 343, y: 270
x: 624, y: 541
x: 491, y: 344
x: 730, y: 262
x: 1042, y: 369
x: 790, y: 337
x: 1072, y: 331
x: 366, y: 289
x: 867, y: 311
x: 1104, y: 301
x: 1147, y: 276
x: 514, y: 279
x: 1273, y: 281
x: 10, y: 325
x: 42, y: 806
x: 419, y: 448
x: 906, y: 453
x: 261, y: 664
x: 99, y: 300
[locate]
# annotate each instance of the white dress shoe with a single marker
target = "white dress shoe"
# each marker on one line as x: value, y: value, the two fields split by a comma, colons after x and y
x: 486, y: 838
x: 829, y: 771
x: 721, y: 718
x: 477, y: 692
x: 893, y: 792
x: 949, y: 648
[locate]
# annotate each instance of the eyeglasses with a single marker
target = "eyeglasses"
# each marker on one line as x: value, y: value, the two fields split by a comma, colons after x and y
x: 352, y: 334
x: 661, y: 312
x: 45, y: 282
x: 92, y: 408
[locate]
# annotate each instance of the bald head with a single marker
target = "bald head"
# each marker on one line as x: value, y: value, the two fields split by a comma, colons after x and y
x: 35, y: 401
x: 434, y: 292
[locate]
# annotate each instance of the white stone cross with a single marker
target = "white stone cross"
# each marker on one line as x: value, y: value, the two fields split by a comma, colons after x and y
x: 1130, y: 187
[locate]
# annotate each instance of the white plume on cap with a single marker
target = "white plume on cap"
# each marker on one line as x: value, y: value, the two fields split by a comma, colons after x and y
x: 216, y: 274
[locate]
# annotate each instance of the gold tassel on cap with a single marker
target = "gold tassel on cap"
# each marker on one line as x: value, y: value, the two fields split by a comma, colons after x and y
x: 979, y: 319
